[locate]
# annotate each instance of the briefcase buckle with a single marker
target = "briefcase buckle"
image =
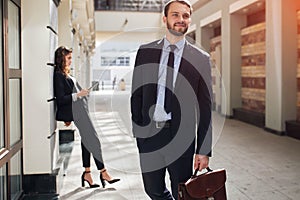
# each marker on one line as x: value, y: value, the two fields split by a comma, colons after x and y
x: 210, y: 198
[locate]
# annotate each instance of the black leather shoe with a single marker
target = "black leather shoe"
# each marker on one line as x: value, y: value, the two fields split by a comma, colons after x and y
x: 83, y: 181
x: 109, y: 181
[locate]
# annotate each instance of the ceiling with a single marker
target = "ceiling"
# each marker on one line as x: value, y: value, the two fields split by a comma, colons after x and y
x: 198, y: 3
x: 252, y: 8
x: 83, y: 20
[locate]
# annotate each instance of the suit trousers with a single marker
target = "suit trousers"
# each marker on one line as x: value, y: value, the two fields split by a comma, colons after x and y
x: 86, y: 158
x: 180, y: 170
x: 90, y: 143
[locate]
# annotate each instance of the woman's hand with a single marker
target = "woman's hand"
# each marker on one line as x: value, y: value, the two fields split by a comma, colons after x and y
x: 83, y: 93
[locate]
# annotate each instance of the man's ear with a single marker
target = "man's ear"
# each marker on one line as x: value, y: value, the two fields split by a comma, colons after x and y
x: 165, y: 19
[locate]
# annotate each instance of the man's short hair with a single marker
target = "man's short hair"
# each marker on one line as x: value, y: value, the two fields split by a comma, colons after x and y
x: 168, y: 3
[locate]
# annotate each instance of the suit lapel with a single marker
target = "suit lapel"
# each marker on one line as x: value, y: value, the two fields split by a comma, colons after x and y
x: 156, y: 59
x: 69, y: 82
x: 151, y: 68
x: 184, y: 66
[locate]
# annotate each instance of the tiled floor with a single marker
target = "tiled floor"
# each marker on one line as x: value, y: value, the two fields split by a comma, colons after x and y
x: 259, y: 164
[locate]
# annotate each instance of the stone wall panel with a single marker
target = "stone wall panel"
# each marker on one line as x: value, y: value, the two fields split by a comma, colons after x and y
x: 253, y: 73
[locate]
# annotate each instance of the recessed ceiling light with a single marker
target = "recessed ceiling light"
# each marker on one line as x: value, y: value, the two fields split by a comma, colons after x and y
x: 258, y: 4
x: 245, y: 10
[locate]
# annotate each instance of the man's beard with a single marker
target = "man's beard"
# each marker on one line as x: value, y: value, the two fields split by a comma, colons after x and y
x: 180, y: 32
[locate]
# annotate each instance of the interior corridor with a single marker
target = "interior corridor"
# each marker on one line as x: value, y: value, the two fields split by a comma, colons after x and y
x: 259, y: 165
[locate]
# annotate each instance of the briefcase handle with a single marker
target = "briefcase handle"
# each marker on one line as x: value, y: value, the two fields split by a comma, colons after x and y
x: 197, y: 170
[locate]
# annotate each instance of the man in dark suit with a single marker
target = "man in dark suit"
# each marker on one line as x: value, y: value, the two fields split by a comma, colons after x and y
x: 171, y: 105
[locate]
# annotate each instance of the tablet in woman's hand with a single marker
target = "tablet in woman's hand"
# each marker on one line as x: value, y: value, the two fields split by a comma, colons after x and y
x: 94, y: 85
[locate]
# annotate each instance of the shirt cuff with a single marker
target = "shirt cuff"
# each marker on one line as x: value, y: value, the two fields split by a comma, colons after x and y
x: 74, y: 96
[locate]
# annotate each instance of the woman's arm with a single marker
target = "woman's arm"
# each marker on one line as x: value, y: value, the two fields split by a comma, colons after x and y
x: 63, y: 95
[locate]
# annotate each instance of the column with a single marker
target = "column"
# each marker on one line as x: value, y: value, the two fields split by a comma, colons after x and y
x: 39, y: 128
x: 231, y: 60
x: 64, y: 26
x: 281, y: 63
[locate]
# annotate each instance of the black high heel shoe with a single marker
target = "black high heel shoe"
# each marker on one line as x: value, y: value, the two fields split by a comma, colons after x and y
x: 109, y: 181
x: 83, y: 180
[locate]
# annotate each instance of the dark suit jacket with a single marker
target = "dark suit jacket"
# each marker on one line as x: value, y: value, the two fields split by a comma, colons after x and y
x: 191, y: 104
x: 63, y: 89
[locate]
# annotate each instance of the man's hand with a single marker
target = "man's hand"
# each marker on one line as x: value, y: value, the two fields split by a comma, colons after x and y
x: 67, y: 124
x: 200, y: 162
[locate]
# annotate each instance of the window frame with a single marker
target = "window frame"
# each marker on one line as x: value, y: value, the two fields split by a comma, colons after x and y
x: 8, y: 151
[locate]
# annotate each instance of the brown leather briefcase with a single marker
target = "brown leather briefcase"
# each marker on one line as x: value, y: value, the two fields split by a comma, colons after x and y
x: 207, y: 186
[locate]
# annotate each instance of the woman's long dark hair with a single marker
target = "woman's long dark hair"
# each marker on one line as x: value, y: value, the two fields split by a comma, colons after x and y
x: 59, y: 58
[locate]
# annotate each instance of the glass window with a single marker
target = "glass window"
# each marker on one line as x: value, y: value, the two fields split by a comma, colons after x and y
x: 115, y: 61
x: 1, y: 85
x: 15, y: 176
x: 3, y: 183
x: 15, y: 110
x: 13, y: 36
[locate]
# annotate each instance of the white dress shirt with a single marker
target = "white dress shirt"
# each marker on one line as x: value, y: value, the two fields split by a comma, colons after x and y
x: 159, y: 112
